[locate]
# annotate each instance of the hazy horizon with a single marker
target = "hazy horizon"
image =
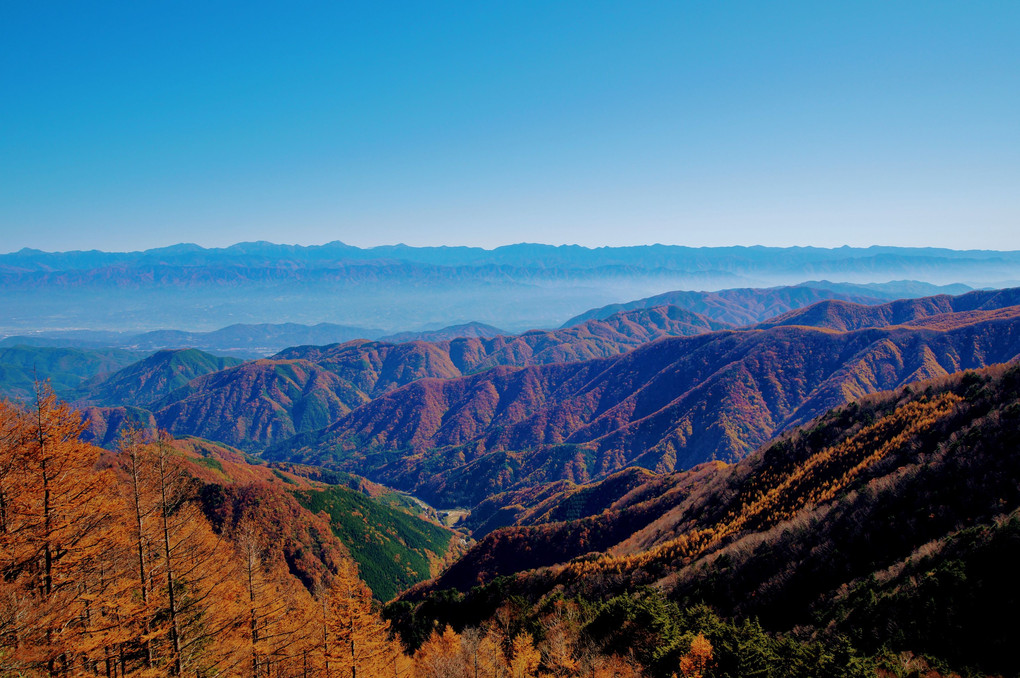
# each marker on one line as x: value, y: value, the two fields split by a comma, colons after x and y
x: 385, y: 245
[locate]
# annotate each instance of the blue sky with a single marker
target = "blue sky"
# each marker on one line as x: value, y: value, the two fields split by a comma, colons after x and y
x: 134, y: 125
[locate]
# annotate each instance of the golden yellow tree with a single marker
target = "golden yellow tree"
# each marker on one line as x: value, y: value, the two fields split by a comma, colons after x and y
x: 56, y: 531
x: 188, y: 613
x: 356, y: 641
x: 560, y: 639
x: 483, y: 653
x: 525, y: 658
x: 697, y: 660
x: 441, y: 656
x: 280, y: 613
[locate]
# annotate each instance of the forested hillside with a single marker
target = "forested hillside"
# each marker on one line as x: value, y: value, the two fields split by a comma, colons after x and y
x: 887, y: 525
x: 305, y: 388
x: 667, y: 405
x: 178, y: 558
x: 151, y: 379
x: 67, y: 369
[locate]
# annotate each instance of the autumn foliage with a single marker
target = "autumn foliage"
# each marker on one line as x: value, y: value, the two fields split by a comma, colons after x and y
x: 112, y: 568
x: 109, y: 566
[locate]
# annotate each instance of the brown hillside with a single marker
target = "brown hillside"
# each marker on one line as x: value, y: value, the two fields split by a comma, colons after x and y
x: 893, y: 519
x: 666, y: 406
x: 308, y: 387
x: 845, y: 315
x: 737, y: 306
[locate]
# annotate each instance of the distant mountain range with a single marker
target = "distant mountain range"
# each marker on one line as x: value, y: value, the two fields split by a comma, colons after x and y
x: 513, y: 287
x: 240, y: 340
x: 528, y: 255
x: 749, y: 306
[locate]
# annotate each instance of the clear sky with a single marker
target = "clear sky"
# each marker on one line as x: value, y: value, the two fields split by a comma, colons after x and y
x: 128, y: 125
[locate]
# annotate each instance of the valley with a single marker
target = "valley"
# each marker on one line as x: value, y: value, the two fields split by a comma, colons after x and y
x: 509, y: 340
x: 645, y: 447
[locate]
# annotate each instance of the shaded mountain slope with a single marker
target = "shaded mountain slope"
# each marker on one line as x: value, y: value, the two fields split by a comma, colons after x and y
x: 152, y: 378
x: 894, y: 520
x: 844, y: 315
x: 668, y: 405
x: 252, y: 340
x: 862, y: 492
x: 608, y: 512
x: 550, y: 502
x: 473, y: 329
x: 739, y: 306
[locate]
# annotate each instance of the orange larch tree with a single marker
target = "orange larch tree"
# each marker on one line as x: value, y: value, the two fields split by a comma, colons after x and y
x: 356, y: 638
x: 441, y: 656
x: 57, y: 530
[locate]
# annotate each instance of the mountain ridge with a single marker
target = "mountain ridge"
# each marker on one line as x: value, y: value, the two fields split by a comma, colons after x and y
x: 890, y: 522
x: 513, y: 287
x: 666, y: 405
x: 306, y: 387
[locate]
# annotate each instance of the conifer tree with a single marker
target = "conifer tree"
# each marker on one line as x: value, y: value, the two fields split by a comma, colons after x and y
x: 187, y: 613
x: 441, y: 656
x: 56, y: 522
x: 280, y: 613
x: 524, y: 659
x: 356, y: 639
x: 198, y: 574
x: 696, y: 661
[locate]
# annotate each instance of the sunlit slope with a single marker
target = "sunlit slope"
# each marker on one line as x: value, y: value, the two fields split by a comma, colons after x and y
x: 668, y: 405
x: 315, y: 523
x: 308, y: 387
x: 65, y: 368
x: 152, y: 378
